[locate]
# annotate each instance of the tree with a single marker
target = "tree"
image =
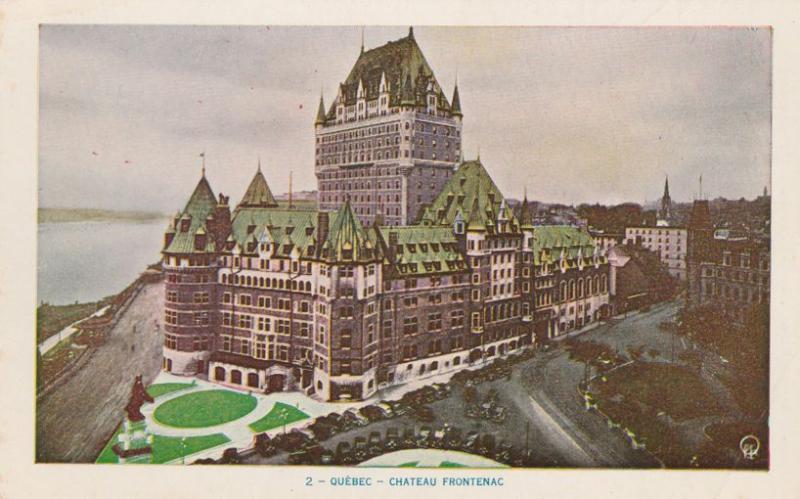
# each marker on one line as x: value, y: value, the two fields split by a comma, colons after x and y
x: 587, y: 353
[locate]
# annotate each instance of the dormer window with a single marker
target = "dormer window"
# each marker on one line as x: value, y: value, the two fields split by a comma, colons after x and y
x: 185, y: 225
x: 251, y: 229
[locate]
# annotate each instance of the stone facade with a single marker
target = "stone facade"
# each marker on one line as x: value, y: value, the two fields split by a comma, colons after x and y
x: 291, y: 299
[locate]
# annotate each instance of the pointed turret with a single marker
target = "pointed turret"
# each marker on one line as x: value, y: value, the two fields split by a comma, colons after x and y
x: 258, y: 194
x: 320, y: 112
x: 666, y: 187
x: 525, y: 214
x: 347, y: 240
x: 455, y: 106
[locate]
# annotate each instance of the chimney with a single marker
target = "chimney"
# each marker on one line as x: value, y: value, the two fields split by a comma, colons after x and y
x: 222, y: 222
x: 392, y: 245
x: 323, y: 224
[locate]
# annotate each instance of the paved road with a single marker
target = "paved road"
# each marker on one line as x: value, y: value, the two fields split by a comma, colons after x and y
x: 75, y: 420
x: 544, y: 406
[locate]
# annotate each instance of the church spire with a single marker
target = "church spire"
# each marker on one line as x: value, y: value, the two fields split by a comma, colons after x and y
x: 666, y: 187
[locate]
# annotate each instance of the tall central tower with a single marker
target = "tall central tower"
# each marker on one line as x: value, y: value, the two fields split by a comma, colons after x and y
x: 390, y: 139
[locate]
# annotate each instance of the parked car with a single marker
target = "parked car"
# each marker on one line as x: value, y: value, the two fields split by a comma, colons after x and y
x: 372, y: 413
x: 453, y: 439
x: 428, y: 394
x: 437, y: 438
x: 326, y: 457
x: 374, y: 444
x: 486, y: 445
x: 292, y: 441
x: 472, y: 411
x: 336, y: 419
x: 502, y: 453
x: 409, y: 440
x: 230, y: 456
x: 322, y: 431
x: 355, y: 418
x: 399, y: 408
x: 423, y: 437
x: 392, y: 442
x: 471, y: 442
x: 498, y: 414
x: 386, y: 409
x: 441, y: 390
x: 423, y: 414
x: 264, y: 445
x: 343, y: 454
x: 360, y: 450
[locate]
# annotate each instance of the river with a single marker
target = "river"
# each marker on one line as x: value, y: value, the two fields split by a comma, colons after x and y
x: 86, y: 261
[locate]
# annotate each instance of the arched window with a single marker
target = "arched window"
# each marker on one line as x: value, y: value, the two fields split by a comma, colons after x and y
x: 603, y: 284
x: 572, y: 289
x: 580, y: 288
x: 596, y: 284
x: 563, y: 291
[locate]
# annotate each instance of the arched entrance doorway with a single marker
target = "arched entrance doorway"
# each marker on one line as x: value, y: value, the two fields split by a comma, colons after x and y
x: 219, y: 373
x: 275, y: 383
x: 252, y: 380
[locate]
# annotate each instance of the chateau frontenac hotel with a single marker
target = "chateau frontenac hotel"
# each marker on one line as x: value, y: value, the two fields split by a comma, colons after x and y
x: 414, y: 265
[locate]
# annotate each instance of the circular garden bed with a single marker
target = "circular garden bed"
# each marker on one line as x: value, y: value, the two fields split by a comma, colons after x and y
x: 205, y: 408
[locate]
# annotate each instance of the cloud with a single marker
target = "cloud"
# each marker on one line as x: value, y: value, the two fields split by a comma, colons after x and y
x: 588, y: 114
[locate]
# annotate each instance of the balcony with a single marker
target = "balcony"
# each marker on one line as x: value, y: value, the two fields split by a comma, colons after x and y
x: 527, y: 318
x: 477, y: 329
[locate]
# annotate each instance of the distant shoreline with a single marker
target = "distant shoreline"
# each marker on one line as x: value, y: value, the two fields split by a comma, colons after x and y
x: 63, y: 215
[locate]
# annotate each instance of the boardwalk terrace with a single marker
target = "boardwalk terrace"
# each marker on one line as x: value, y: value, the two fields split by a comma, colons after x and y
x: 390, y: 139
x: 277, y: 299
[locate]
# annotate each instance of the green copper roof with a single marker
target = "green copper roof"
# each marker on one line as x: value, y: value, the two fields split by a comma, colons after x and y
x: 423, y: 250
x: 258, y: 194
x: 320, y: 112
x: 471, y: 192
x: 551, y: 241
x: 398, y: 62
x: 289, y: 229
x: 201, y: 204
x: 347, y: 240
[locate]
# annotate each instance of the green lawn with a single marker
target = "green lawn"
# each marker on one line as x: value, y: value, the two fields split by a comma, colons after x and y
x: 204, y: 408
x: 279, y: 415
x: 166, y: 449
x: 164, y: 388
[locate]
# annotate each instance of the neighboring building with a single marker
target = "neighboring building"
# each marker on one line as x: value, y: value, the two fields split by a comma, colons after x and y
x: 606, y: 240
x: 637, y: 278
x: 735, y: 277
x: 728, y: 269
x: 700, y: 236
x: 669, y: 243
x: 571, y: 280
x: 272, y: 299
x: 390, y: 139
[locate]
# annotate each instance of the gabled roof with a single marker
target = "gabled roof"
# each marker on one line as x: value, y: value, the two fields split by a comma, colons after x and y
x: 472, y: 192
x: 201, y: 204
x: 258, y: 194
x: 402, y: 63
x: 423, y: 250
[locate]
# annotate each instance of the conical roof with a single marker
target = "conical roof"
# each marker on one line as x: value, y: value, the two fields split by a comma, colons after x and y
x: 346, y: 234
x: 258, y: 194
x: 320, y: 112
x: 455, y: 107
x: 200, y: 205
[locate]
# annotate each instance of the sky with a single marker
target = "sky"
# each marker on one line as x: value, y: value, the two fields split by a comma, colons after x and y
x: 572, y: 115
